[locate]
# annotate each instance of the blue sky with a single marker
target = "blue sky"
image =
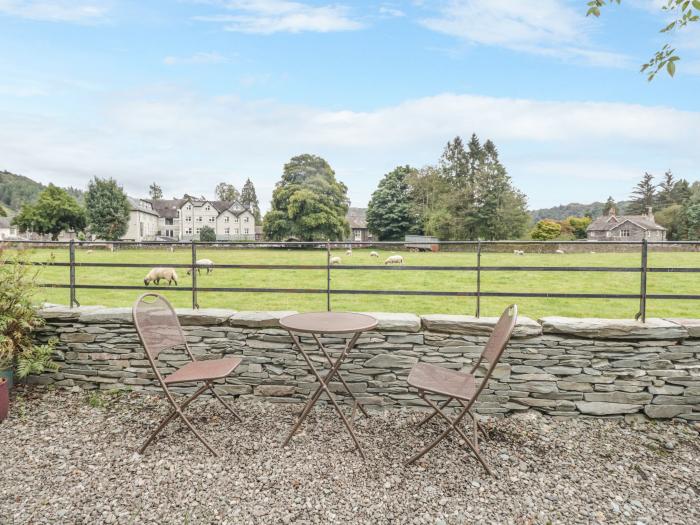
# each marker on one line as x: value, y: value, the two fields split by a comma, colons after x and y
x: 193, y: 92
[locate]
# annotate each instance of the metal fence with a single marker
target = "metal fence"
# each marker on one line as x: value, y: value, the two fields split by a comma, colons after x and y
x: 476, y: 246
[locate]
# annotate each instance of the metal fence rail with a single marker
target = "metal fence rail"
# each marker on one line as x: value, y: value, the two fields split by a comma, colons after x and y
x: 478, y: 246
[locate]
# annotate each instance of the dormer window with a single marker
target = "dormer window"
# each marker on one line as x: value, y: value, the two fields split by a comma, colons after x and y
x: 188, y: 207
x: 207, y: 208
x: 226, y: 219
x: 245, y: 219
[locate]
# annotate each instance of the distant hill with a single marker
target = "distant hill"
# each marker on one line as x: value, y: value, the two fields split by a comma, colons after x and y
x: 16, y: 190
x: 574, y: 209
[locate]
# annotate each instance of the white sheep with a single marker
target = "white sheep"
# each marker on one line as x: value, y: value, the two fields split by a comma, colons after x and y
x: 335, y: 260
x: 348, y: 251
x: 394, y: 259
x: 156, y: 274
x: 559, y: 251
x: 88, y: 251
x: 373, y: 254
x: 518, y: 252
x: 208, y: 263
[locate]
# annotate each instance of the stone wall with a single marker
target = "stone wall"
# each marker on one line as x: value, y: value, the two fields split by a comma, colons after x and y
x: 560, y: 366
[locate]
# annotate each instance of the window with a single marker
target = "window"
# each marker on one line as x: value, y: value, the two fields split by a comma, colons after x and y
x: 245, y: 219
x: 358, y: 235
x: 235, y: 231
x: 199, y: 219
x: 168, y: 221
x: 226, y: 218
x: 188, y: 207
x: 624, y: 233
x: 177, y: 213
x: 198, y: 230
x: 207, y: 208
x: 227, y: 230
x: 188, y: 231
x: 188, y: 218
x: 235, y: 219
x: 212, y: 219
x: 245, y: 231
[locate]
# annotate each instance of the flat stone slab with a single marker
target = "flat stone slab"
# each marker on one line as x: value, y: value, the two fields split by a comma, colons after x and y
x: 203, y: 316
x: 598, y: 408
x: 691, y: 325
x: 62, y: 312
x: 395, y: 322
x: 593, y: 328
x: 258, y: 319
x: 106, y: 315
x: 470, y: 325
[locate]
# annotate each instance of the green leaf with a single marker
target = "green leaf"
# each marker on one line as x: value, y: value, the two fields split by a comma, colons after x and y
x: 671, y: 68
x: 696, y: 4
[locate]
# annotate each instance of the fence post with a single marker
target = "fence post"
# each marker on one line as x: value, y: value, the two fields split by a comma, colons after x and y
x: 328, y: 276
x: 195, y: 305
x: 478, y: 278
x: 71, y: 273
x: 642, y: 314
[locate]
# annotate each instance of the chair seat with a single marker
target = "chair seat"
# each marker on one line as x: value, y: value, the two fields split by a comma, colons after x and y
x: 204, y: 370
x: 438, y: 380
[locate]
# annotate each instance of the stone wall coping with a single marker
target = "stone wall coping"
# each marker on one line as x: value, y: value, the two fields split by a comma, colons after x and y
x: 471, y: 325
x: 589, y: 328
x: 594, y: 328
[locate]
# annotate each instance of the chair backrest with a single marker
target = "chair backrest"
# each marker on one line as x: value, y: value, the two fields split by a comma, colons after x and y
x: 498, y: 340
x: 157, y: 325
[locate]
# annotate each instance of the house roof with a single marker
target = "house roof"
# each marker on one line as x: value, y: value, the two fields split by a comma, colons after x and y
x: 610, y: 222
x: 357, y: 217
x: 167, y: 208
x: 137, y: 205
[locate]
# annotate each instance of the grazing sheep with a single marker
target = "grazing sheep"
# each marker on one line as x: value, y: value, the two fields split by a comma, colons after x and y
x: 208, y: 263
x: 518, y: 252
x: 88, y: 251
x: 156, y: 274
x: 348, y: 252
x: 559, y: 251
x: 373, y: 254
x: 335, y: 260
x: 394, y: 259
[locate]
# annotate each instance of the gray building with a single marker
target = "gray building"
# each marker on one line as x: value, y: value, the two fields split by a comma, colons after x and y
x: 357, y: 218
x: 613, y: 227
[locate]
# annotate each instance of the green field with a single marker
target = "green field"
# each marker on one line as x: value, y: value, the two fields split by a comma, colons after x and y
x: 523, y: 281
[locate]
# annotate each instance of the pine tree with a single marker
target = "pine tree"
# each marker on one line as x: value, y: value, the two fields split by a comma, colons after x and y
x: 609, y: 206
x: 390, y: 213
x: 249, y: 199
x: 665, y: 196
x: 155, y: 191
x: 643, y: 196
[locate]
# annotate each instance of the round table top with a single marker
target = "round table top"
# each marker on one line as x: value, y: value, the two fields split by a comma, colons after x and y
x: 328, y: 322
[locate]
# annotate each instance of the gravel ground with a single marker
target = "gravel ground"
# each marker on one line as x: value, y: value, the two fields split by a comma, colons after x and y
x: 70, y: 458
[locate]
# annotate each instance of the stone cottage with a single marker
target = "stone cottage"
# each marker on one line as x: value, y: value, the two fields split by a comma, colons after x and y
x: 613, y: 227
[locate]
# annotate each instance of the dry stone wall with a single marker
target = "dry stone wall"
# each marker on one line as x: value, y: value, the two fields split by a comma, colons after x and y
x: 559, y: 366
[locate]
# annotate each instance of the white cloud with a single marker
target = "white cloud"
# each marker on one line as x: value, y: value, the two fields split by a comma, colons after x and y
x: 390, y: 11
x: 549, y: 27
x: 56, y: 10
x: 188, y: 142
x: 276, y: 16
x: 197, y: 58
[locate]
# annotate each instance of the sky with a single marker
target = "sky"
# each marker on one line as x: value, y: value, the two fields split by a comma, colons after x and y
x: 190, y: 93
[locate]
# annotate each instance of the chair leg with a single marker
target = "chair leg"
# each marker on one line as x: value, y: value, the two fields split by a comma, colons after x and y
x: 228, y: 406
x: 199, y: 436
x: 431, y: 416
x: 157, y: 431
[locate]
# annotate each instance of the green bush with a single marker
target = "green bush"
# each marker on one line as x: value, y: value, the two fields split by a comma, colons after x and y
x: 207, y: 234
x: 18, y: 319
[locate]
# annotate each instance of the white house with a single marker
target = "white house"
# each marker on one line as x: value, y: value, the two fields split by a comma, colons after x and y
x: 143, y: 221
x: 183, y: 219
x: 7, y: 231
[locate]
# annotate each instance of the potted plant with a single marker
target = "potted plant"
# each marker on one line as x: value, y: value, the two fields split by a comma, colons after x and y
x: 18, y: 319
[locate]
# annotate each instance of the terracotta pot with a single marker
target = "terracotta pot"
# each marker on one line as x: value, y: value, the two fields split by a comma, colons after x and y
x: 4, y: 399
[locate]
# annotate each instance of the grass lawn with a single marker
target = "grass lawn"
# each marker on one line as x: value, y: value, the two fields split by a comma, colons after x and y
x: 522, y: 281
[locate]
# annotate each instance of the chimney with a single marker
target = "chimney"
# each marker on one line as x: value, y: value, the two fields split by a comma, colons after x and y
x: 611, y: 211
x: 649, y: 213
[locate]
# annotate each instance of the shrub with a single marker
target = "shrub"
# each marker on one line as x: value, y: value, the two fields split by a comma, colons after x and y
x: 207, y: 234
x: 18, y: 319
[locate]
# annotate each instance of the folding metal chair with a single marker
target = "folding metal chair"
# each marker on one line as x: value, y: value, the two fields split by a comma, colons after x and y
x: 159, y: 329
x: 462, y: 387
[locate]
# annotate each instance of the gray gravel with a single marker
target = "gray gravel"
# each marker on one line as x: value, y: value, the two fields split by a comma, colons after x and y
x: 65, y: 461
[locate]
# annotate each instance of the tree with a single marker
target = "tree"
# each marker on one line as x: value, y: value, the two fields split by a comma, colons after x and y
x: 643, y: 196
x: 673, y: 218
x: 107, y: 209
x: 578, y: 225
x: 692, y: 217
x: 249, y: 199
x: 609, y: 206
x: 390, y: 213
x: 546, y: 230
x: 308, y: 203
x: 207, y: 234
x: 155, y: 191
x: 3, y: 213
x: 683, y: 12
x: 226, y: 192
x: 54, y: 211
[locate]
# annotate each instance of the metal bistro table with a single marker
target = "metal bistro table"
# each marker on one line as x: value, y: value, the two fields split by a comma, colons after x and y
x: 328, y: 323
